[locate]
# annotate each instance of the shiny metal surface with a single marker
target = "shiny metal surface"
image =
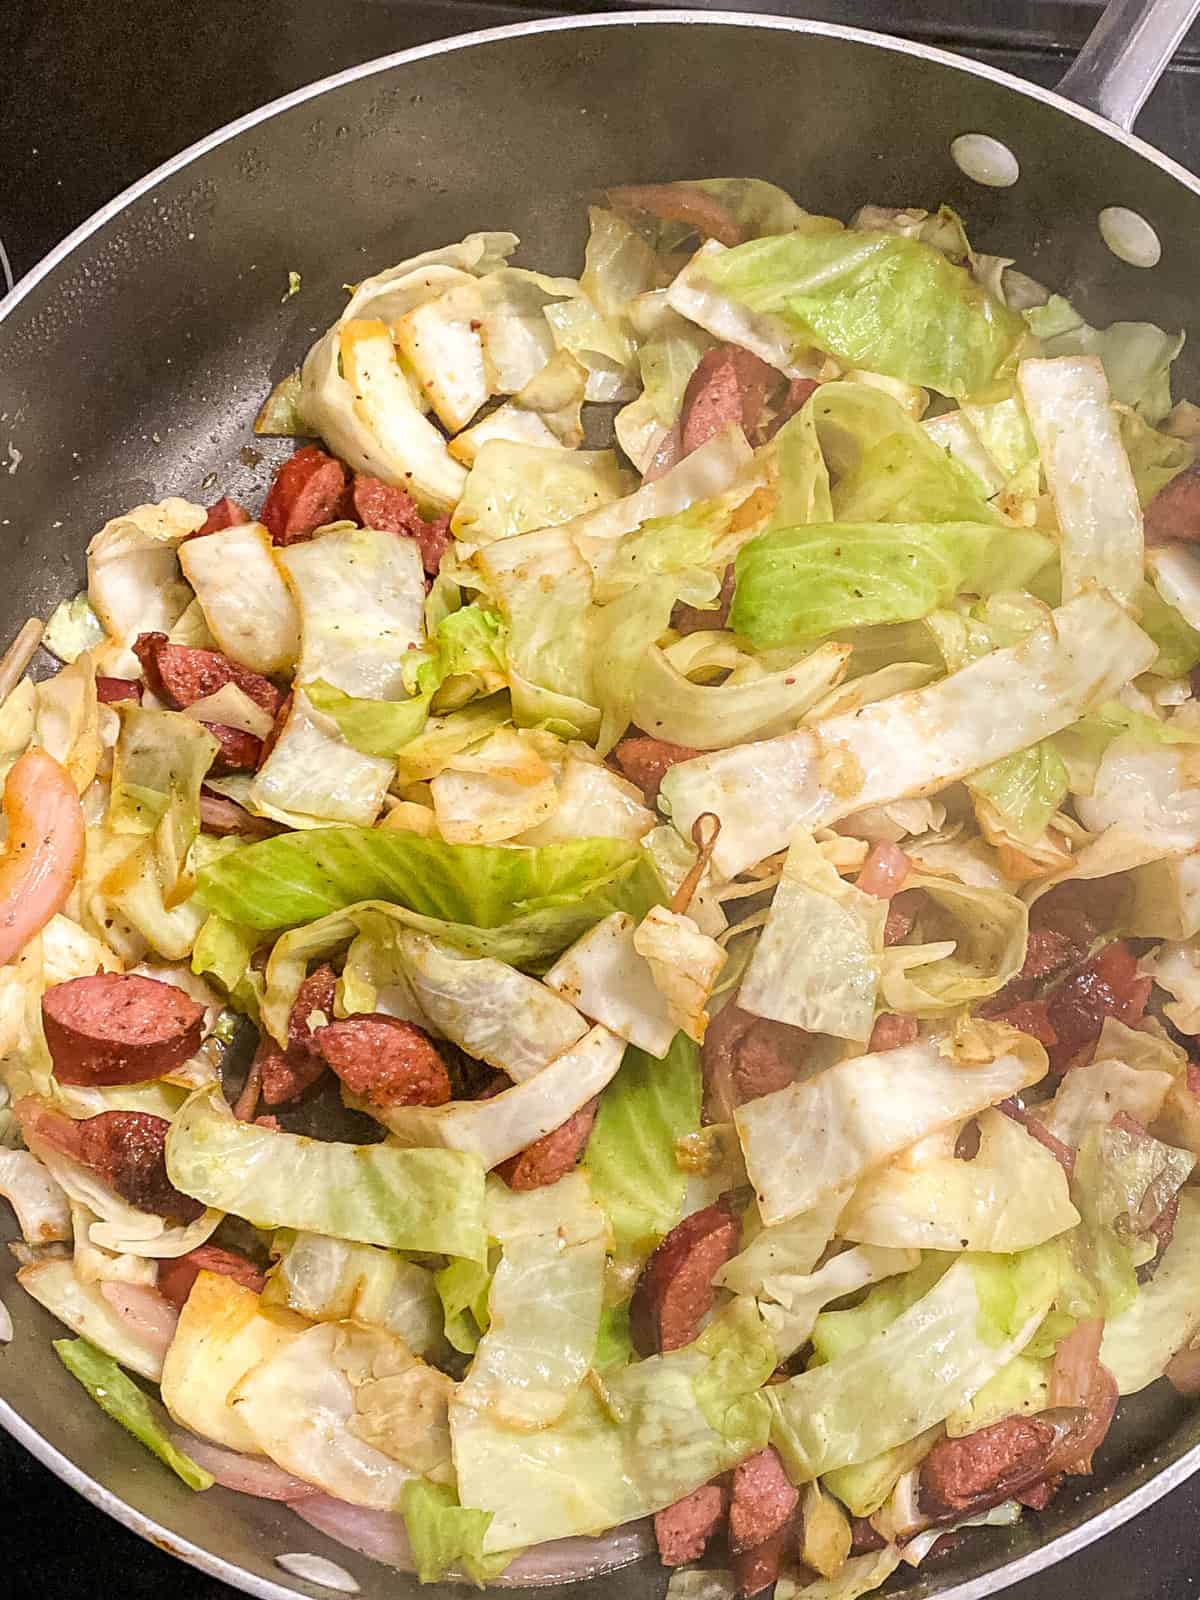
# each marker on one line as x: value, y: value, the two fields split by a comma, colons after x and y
x: 132, y: 362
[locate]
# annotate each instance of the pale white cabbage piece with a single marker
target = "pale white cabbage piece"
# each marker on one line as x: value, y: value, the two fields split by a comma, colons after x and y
x: 192, y: 629
x: 817, y: 961
x: 638, y: 431
x: 350, y: 1409
x: 494, y: 791
x: 313, y: 772
x: 1011, y: 1196
x: 1176, y: 968
x: 95, y: 1265
x: 335, y: 1280
x: 83, y: 1308
x: 1088, y: 474
x: 594, y: 802
x: 69, y: 951
x: 790, y: 1248
x: 517, y: 488
x: 1165, y: 1316
x: 1166, y: 899
x: 233, y: 707
x: 713, y: 716
x: 395, y: 290
x: 361, y: 599
x: 605, y: 977
x: 674, y: 858
x: 491, y: 1010
x: 770, y: 338
x: 792, y: 1302
x: 955, y: 433
x: 368, y: 414
x: 72, y: 628
x: 1147, y: 792
x: 509, y: 1122
x: 544, y: 1307
x: 247, y: 605
x: 134, y: 584
x: 440, y: 344
x: 812, y: 1137
x: 545, y: 411
x: 41, y: 1206
x: 18, y: 714
x: 889, y: 1389
x: 911, y: 743
x: 67, y: 719
x: 715, y: 466
x: 1175, y: 569
x: 1095, y: 1094
x: 684, y: 964
x: 892, y: 823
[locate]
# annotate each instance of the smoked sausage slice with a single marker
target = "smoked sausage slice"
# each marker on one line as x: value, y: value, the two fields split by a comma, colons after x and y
x: 118, y: 1027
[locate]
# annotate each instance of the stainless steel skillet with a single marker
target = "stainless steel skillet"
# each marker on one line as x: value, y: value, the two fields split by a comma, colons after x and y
x: 132, y: 361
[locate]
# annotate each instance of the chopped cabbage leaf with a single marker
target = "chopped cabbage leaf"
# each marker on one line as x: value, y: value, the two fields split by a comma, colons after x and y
x: 373, y: 727
x: 630, y: 1159
x: 333, y: 1280
x: 224, y: 1331
x: 594, y: 802
x: 1025, y: 789
x: 314, y: 776
x: 487, y: 1008
x: 247, y: 605
x: 133, y: 578
x: 1165, y: 1316
x: 543, y: 1313
x: 493, y: 1130
x: 350, y: 1409
x: 817, y: 961
x: 495, y: 791
x: 428, y: 1200
x: 788, y: 1249
x: 83, y: 1308
x: 888, y: 1390
x: 894, y: 305
x: 121, y: 1399
x: 793, y: 1301
x: 516, y: 488
x: 971, y: 942
x: 665, y: 1426
x: 812, y: 1137
x: 360, y: 595
x: 43, y: 1214
x: 798, y: 585
x: 695, y: 296
x: 684, y: 964
x: 910, y: 743
x: 1136, y: 356
x: 604, y: 976
x: 1088, y: 474
x: 443, y: 1534
x: 73, y: 627
x: 1011, y: 1196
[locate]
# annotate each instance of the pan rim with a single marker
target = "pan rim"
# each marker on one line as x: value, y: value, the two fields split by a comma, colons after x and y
x: 60, y: 252
x: 1090, y: 1528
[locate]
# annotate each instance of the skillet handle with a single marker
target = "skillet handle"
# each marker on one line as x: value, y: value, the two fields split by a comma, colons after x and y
x: 1125, y: 55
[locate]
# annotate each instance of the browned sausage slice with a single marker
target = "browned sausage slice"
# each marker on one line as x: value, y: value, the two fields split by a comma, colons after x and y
x: 240, y: 751
x: 128, y: 1149
x: 967, y: 1475
x: 1174, y: 513
x: 385, y: 1061
x: 119, y: 1028
x: 223, y: 513
x: 760, y: 1513
x: 308, y: 490
x: 675, y: 1290
x: 176, y: 1277
x: 891, y: 1032
x: 692, y: 619
x: 744, y: 1057
x: 384, y: 506
x: 729, y: 385
x: 285, y: 1074
x: 181, y: 675
x: 647, y: 761
x: 552, y: 1156
x: 682, y: 1531
x: 110, y: 689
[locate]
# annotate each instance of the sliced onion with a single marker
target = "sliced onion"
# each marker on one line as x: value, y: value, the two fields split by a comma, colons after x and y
x: 1183, y: 1370
x: 679, y: 202
x: 1074, y: 1451
x: 149, y: 1314
x: 381, y: 1535
x: 246, y: 1474
x: 1073, y: 1374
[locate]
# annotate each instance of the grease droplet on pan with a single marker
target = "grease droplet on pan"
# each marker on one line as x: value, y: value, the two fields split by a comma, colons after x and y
x: 985, y: 160
x: 1129, y: 236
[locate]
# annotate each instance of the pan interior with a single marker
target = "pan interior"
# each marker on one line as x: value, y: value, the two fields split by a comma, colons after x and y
x: 134, y: 368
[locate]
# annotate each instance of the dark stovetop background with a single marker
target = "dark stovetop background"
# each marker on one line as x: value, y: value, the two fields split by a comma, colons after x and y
x: 92, y: 95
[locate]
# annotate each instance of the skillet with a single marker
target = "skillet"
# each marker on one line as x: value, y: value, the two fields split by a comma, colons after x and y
x: 133, y: 359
